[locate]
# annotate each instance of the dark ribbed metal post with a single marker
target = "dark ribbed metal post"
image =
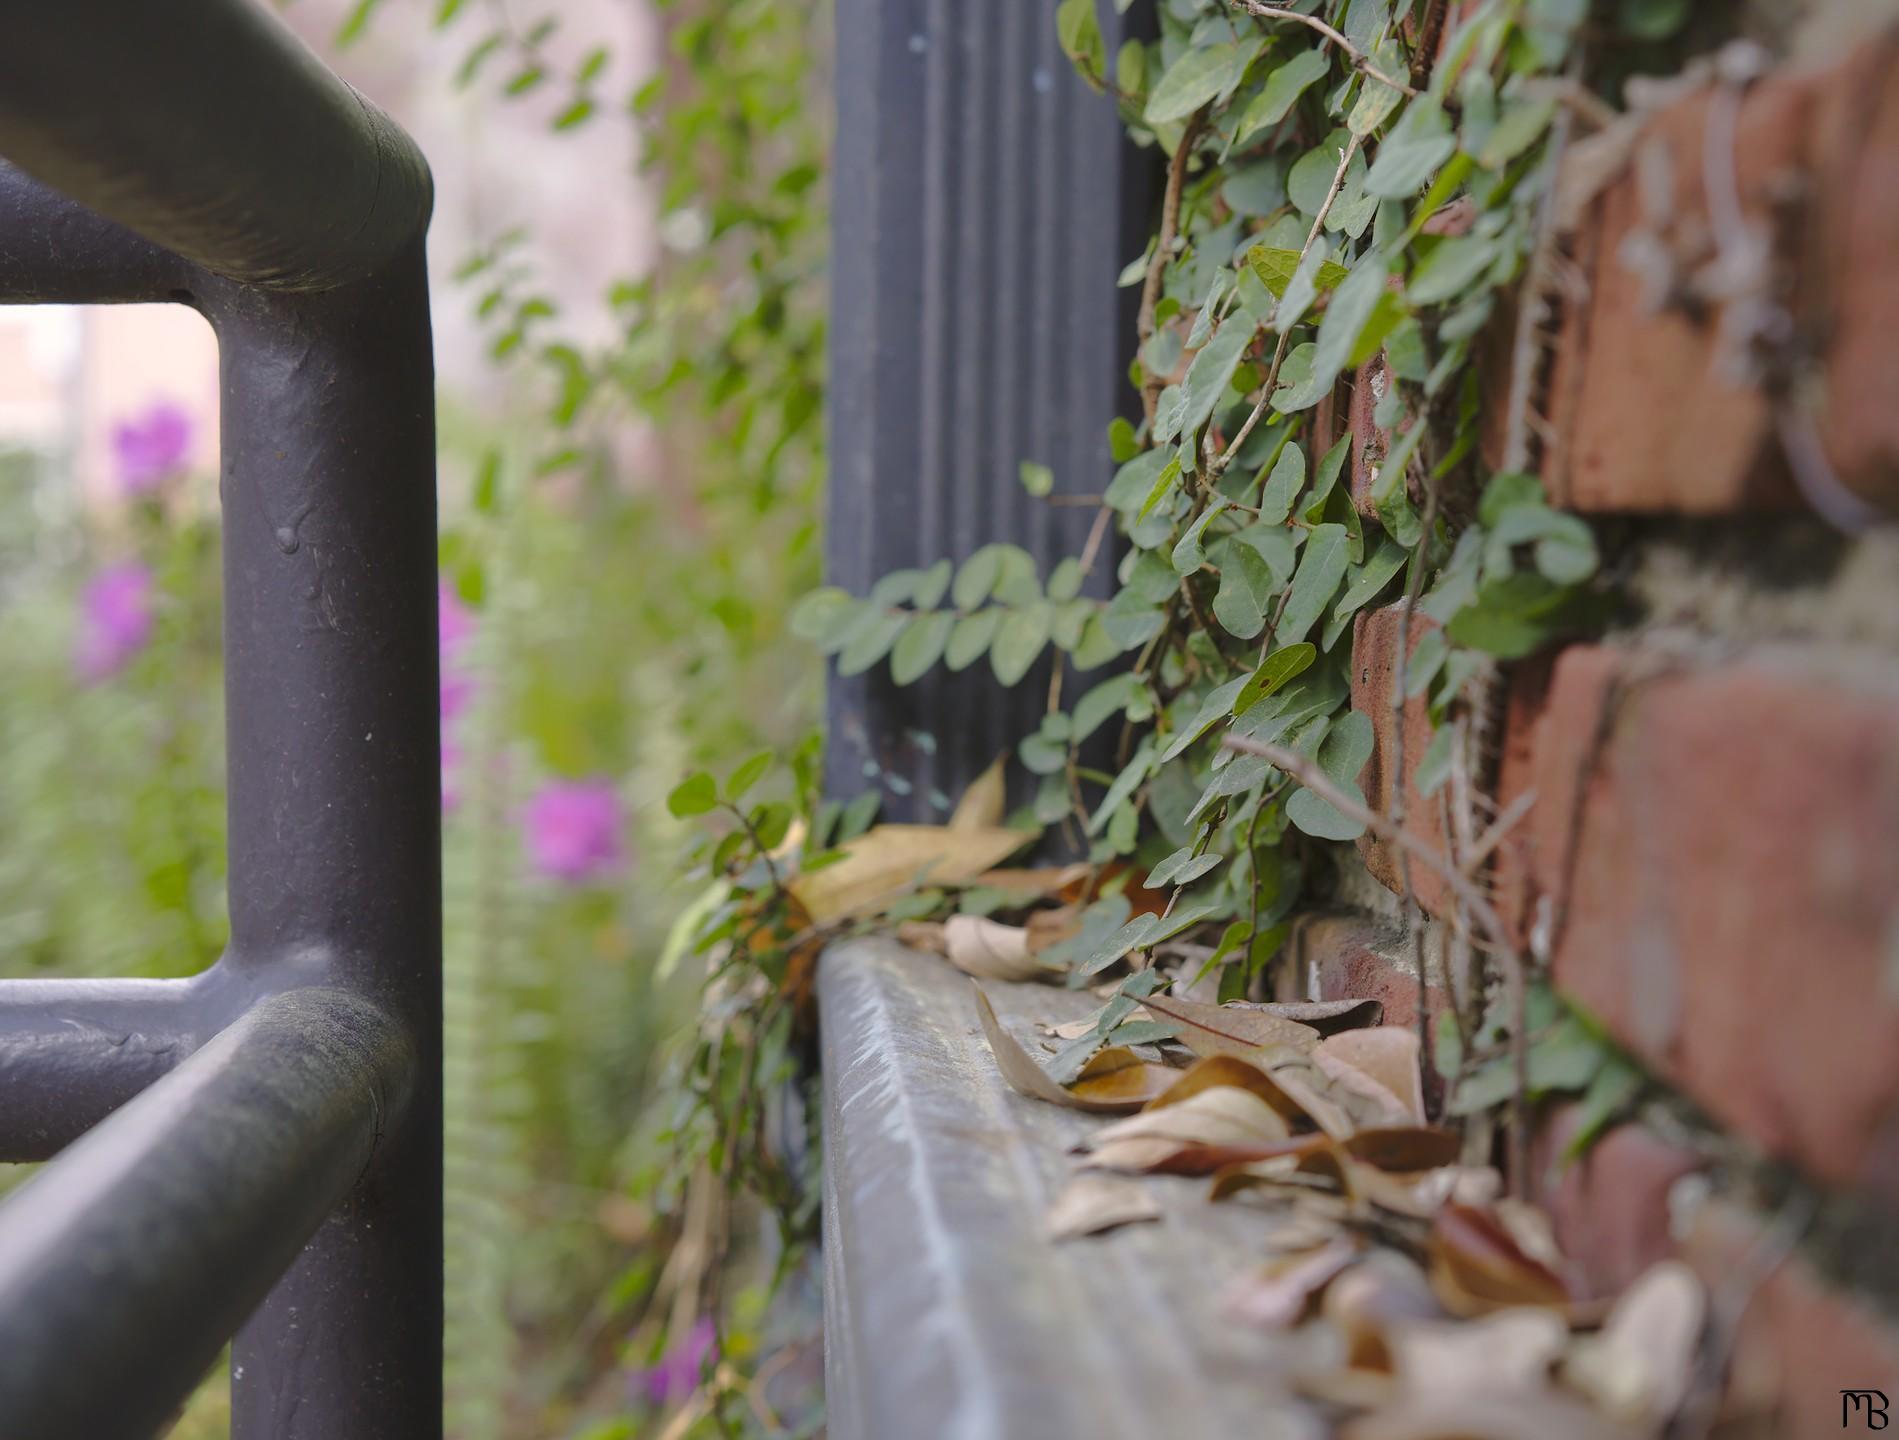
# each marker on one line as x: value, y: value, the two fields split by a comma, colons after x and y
x: 985, y: 201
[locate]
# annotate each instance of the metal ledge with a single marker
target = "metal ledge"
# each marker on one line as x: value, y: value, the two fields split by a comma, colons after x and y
x: 949, y: 1314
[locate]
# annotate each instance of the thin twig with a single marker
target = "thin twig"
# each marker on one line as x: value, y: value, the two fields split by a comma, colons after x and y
x: 1163, y: 251
x: 1217, y: 467
x: 1494, y: 835
x: 1360, y: 61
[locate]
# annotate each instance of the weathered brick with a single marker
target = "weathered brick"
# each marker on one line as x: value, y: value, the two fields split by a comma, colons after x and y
x: 1374, y: 657
x: 1801, y: 1341
x: 1609, y: 1206
x: 1645, y: 408
x: 1720, y: 851
x: 1358, y: 957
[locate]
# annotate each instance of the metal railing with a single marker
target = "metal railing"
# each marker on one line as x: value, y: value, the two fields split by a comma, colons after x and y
x: 254, y: 1152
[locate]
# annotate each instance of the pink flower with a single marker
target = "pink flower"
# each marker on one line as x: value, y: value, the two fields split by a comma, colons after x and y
x: 152, y: 447
x: 455, y: 624
x: 677, y: 1374
x: 115, y: 620
x: 573, y: 830
x: 455, y: 628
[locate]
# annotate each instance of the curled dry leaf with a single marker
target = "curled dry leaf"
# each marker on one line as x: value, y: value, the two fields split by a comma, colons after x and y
x: 1068, y: 1029
x: 1229, y: 1029
x: 990, y: 950
x: 1478, y: 1267
x: 926, y: 936
x: 1638, y: 1368
x: 1225, y: 1115
x: 888, y: 861
x: 1328, y: 1017
x: 1511, y: 1351
x: 1092, y: 1204
x: 1405, y: 1148
x: 1025, y: 1077
x: 1119, y: 1077
x: 1387, y: 1055
x: 1278, y: 1294
x: 1372, y: 1299
x: 1038, y: 883
x: 1230, y: 1070
x: 984, y: 803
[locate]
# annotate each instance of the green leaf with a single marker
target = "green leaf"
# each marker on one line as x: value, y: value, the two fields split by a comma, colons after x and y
x: 1376, y: 100
x: 1297, y: 390
x: 748, y: 775
x: 1212, y: 371
x: 1289, y: 474
x: 1416, y: 146
x: 1455, y: 262
x: 1565, y: 546
x: 1189, y: 555
x: 931, y: 585
x: 1102, y: 703
x: 1022, y: 637
x: 1040, y: 756
x: 1507, y: 489
x: 1217, y: 706
x: 1345, y: 318
x: 1129, y: 620
x: 695, y: 795
x: 1387, y: 560
x: 1183, y: 867
x: 1138, y: 932
x: 1124, y: 786
x: 1078, y: 32
x: 818, y: 613
x: 1275, y: 267
x: 1519, y: 127
x: 976, y: 578
x: 1511, y: 616
x: 1342, y: 754
x: 971, y: 638
x: 1066, y: 581
x: 1310, y: 179
x: 1281, y: 92
x: 1036, y: 478
x: 1134, y: 480
x: 1122, y: 445
x: 871, y: 640
x: 1435, y: 768
x: 1321, y: 569
x: 1163, y: 482
x: 1274, y: 671
x: 1246, y: 589
x: 921, y: 645
x: 1199, y: 75
x: 1327, y: 476
x: 1273, y: 544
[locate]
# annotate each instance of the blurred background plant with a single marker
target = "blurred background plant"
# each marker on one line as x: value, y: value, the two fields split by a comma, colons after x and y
x: 629, y: 249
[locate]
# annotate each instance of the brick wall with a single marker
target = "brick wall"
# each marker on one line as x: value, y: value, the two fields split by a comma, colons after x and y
x: 1710, y: 864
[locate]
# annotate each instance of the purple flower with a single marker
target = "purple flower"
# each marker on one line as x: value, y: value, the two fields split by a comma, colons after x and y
x: 455, y: 623
x: 573, y: 830
x: 677, y: 1374
x: 151, y: 448
x: 115, y: 620
x: 455, y: 627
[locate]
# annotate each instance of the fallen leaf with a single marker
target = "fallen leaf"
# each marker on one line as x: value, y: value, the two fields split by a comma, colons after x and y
x: 1025, y: 1077
x: 1340, y: 1108
x: 1231, y: 1070
x: 990, y: 950
x: 1404, y: 1148
x: 1483, y: 1417
x: 1328, y: 1017
x: 1372, y: 1299
x: 1119, y: 1077
x: 1533, y: 1231
x: 1223, y: 1116
x: 983, y: 804
x: 1277, y: 1296
x: 1091, y: 1204
x: 888, y: 861
x: 1068, y: 1029
x: 1509, y: 1351
x: 1387, y: 1055
x: 1229, y: 1029
x: 1023, y: 885
x: 1477, y: 1265
x: 1638, y: 1368
x: 1137, y: 1154
x: 1049, y: 928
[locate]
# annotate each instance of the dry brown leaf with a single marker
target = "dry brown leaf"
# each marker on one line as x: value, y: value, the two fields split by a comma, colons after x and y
x: 888, y: 861
x: 1277, y: 1295
x: 1511, y: 1351
x: 983, y: 804
x: 1373, y: 1298
x: 1093, y: 1204
x: 1137, y: 1154
x: 1533, y: 1230
x: 1051, y: 927
x: 1404, y: 1148
x: 1637, y: 1370
x: 1328, y: 1017
x: 990, y: 950
x: 1037, y: 883
x: 1337, y: 1111
x: 1387, y: 1055
x: 1222, y: 1116
x: 1120, y: 1078
x: 1218, y: 1070
x: 1229, y: 1029
x: 923, y: 935
x: 1477, y: 1266
x: 1068, y: 1029
x: 1025, y: 1077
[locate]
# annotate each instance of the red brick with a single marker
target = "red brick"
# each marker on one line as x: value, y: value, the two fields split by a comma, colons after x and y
x: 1609, y: 1206
x: 1800, y: 1339
x: 1355, y: 957
x: 1646, y: 417
x: 1720, y: 849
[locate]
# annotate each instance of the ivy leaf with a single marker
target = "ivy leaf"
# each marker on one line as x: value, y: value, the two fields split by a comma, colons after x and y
x: 1275, y: 267
x: 1130, y: 620
x: 1345, y: 317
x: 1511, y: 616
x: 1079, y: 34
x: 1183, y: 867
x: 1455, y: 262
x: 971, y: 637
x: 1036, y: 478
x: 1376, y: 100
x: 1320, y: 571
x: 819, y: 613
x: 695, y: 795
x: 932, y: 585
x: 1342, y: 754
x: 1282, y: 91
x: 1289, y: 474
x: 1372, y: 576
x: 1133, y: 480
x: 1303, y: 288
x: 921, y: 645
x: 1137, y: 933
x: 1199, y: 75
x: 1274, y: 545
x: 1274, y: 671
x: 1327, y: 476
x: 1170, y: 472
x: 871, y: 640
x: 1124, y: 786
x: 1416, y: 146
x: 1217, y: 706
x: 1212, y: 371
x: 1099, y: 705
x: 1296, y: 391
x: 1020, y: 639
x: 1516, y: 130
x: 1246, y: 588
x: 748, y: 775
x: 1435, y: 767
x: 1189, y: 555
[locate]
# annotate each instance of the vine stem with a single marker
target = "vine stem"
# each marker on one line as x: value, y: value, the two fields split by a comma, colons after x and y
x: 1163, y: 249
x: 1217, y: 467
x: 1360, y: 60
x: 1308, y: 774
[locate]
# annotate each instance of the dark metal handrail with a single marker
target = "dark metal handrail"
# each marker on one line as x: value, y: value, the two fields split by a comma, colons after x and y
x: 284, y: 1108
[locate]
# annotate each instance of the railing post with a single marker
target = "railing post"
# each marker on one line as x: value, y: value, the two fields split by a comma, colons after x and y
x: 986, y: 199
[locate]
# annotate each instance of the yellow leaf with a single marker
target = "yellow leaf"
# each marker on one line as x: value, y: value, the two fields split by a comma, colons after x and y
x: 981, y: 807
x: 888, y: 861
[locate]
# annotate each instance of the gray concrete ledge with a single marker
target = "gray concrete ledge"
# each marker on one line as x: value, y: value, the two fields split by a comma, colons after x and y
x: 949, y: 1315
